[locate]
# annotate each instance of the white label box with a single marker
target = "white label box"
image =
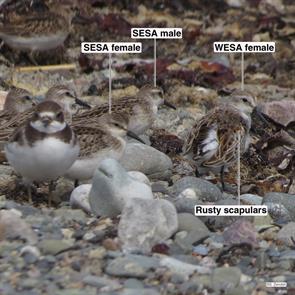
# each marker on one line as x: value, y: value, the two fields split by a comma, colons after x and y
x: 248, y: 47
x: 231, y: 210
x: 156, y: 33
x: 111, y: 47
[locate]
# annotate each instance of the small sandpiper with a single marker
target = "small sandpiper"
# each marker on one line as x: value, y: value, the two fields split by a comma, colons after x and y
x: 106, y: 140
x: 213, y: 141
x: 140, y: 109
x: 37, y: 31
x: 60, y: 94
x: 17, y: 101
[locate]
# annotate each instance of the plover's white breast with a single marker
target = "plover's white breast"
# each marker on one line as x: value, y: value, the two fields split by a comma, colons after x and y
x: 45, y: 160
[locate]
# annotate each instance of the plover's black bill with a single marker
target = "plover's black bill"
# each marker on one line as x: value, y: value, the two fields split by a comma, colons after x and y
x: 134, y: 136
x: 170, y: 105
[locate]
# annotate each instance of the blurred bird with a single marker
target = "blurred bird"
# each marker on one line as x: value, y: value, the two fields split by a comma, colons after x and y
x: 37, y: 31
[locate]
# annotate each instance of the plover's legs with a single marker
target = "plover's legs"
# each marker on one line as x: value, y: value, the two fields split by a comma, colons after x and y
x: 29, y: 188
x: 28, y: 184
x: 76, y: 183
x: 51, y: 187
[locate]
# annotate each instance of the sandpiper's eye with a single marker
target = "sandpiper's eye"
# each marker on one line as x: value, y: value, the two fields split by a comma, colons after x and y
x: 27, y: 97
x: 244, y: 99
x: 59, y: 115
x: 69, y: 94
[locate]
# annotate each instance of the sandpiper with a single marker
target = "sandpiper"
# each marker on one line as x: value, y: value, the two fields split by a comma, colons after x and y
x: 213, y: 141
x: 44, y: 148
x: 67, y: 98
x: 105, y: 140
x: 37, y: 31
x: 18, y: 100
x: 140, y: 109
x: 60, y: 94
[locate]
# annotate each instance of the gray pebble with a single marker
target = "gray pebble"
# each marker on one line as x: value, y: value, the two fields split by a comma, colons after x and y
x: 285, y: 209
x: 130, y: 265
x: 100, y: 282
x: 206, y: 190
x: 133, y: 284
x: 226, y: 278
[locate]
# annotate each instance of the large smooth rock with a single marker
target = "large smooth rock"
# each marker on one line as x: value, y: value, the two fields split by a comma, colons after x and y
x: 146, y: 159
x: 145, y: 223
x: 280, y: 206
x: 191, y: 229
x: 12, y: 226
x: 206, y: 190
x: 287, y: 234
x: 250, y: 199
x: 241, y: 231
x: 80, y: 197
x: 282, y: 111
x: 112, y: 187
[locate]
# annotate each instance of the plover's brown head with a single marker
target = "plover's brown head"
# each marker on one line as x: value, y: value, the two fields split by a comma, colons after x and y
x: 156, y: 94
x: 18, y: 100
x: 66, y: 97
x: 48, y: 117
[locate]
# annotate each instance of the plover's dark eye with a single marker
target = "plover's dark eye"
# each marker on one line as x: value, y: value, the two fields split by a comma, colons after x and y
x: 244, y: 99
x: 27, y: 97
x: 59, y: 115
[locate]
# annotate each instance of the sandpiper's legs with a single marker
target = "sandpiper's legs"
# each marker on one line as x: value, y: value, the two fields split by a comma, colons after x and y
x: 197, y: 173
x: 32, y: 58
x: 29, y: 186
x: 222, y: 178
